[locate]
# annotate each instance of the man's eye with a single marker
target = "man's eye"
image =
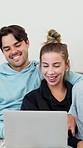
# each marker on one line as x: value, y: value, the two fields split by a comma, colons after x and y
x: 57, y: 66
x: 6, y: 49
x: 17, y: 45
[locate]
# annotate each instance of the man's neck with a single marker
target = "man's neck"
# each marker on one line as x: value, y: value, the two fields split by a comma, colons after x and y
x: 19, y: 68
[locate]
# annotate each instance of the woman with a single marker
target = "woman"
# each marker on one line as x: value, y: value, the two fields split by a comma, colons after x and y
x: 55, y: 93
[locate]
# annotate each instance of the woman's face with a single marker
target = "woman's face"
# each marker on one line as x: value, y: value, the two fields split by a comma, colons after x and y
x: 53, y: 67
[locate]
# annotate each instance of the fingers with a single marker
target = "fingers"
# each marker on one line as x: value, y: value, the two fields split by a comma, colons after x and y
x: 71, y: 124
x: 80, y: 144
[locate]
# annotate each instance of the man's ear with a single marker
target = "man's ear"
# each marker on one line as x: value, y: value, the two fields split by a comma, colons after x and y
x: 28, y: 43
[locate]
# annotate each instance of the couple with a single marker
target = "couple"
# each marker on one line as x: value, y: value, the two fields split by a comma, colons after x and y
x: 19, y: 76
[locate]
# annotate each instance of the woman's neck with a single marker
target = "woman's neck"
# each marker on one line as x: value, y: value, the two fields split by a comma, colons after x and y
x: 58, y: 91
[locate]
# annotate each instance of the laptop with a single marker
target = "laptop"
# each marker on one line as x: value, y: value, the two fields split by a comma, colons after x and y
x: 35, y: 129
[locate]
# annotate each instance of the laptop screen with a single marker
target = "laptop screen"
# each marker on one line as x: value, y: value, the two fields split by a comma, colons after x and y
x: 35, y: 129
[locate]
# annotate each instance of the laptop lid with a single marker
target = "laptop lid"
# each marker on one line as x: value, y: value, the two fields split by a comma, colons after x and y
x: 35, y: 129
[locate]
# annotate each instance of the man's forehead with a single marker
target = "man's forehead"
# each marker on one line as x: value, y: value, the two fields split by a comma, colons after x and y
x: 8, y: 40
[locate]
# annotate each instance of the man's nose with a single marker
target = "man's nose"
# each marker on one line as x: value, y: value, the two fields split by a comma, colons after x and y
x: 13, y: 49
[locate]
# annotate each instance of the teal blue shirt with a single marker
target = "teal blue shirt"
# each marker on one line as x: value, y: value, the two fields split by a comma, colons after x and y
x: 14, y: 85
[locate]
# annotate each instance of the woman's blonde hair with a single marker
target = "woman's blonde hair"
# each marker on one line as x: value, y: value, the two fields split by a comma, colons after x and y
x: 53, y: 44
x: 53, y: 37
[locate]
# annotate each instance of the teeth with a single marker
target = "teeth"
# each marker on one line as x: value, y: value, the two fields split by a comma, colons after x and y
x: 51, y: 77
x: 16, y: 57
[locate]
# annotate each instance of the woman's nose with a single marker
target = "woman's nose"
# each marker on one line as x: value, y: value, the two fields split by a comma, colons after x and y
x: 50, y: 70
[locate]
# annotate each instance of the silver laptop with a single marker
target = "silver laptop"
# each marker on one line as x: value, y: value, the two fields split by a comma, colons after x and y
x: 35, y: 129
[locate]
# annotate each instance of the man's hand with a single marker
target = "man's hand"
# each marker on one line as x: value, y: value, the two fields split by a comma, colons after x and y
x: 71, y: 124
x: 80, y: 144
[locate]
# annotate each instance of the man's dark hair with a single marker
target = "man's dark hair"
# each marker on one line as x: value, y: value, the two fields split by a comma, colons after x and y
x: 17, y: 31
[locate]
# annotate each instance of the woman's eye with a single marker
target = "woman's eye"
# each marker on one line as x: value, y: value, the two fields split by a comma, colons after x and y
x: 56, y: 65
x: 45, y: 66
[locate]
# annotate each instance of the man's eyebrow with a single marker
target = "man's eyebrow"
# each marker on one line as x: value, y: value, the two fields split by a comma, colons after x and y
x: 16, y: 42
x: 9, y: 46
x: 5, y: 47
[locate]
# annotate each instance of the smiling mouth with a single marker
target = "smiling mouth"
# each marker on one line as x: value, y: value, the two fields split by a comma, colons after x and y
x: 52, y: 79
x: 15, y: 57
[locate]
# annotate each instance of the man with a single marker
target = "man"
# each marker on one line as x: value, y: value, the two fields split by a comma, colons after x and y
x: 77, y: 110
x: 18, y: 75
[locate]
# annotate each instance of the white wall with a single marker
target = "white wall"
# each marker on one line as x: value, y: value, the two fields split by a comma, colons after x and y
x: 38, y: 16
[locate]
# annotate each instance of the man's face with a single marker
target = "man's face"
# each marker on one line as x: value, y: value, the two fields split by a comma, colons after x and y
x: 15, y: 52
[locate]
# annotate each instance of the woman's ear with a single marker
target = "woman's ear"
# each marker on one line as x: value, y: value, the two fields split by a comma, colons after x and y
x: 68, y: 65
